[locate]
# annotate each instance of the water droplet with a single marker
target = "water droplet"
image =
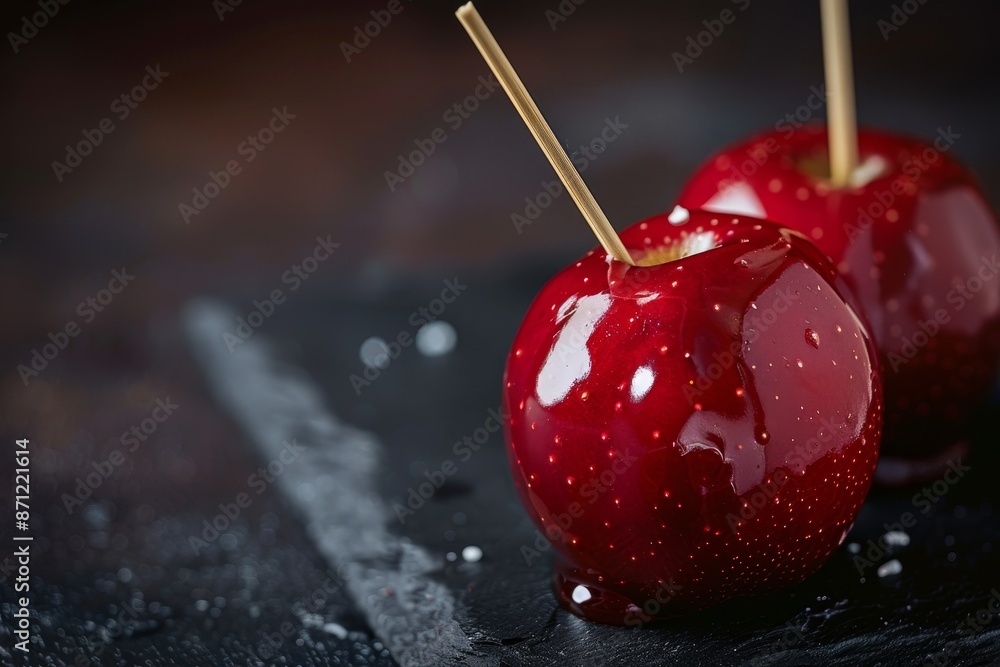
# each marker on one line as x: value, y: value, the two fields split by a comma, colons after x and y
x: 678, y: 216
x: 706, y: 467
x: 798, y: 362
x: 762, y: 436
x: 812, y: 338
x: 472, y: 554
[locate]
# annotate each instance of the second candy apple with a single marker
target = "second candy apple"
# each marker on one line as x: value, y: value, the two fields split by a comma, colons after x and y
x: 917, y: 244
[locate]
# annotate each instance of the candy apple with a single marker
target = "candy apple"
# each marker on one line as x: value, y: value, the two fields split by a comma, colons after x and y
x: 700, y: 426
x: 917, y: 244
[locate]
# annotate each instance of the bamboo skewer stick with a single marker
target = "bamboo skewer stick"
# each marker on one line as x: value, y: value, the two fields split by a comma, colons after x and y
x: 842, y: 122
x: 532, y: 117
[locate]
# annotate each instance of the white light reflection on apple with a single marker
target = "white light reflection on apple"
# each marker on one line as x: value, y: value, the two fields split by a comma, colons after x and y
x: 581, y: 594
x: 642, y: 382
x: 568, y: 361
x: 737, y: 199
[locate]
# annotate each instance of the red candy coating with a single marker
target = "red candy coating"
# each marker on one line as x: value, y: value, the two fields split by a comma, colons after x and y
x: 700, y: 429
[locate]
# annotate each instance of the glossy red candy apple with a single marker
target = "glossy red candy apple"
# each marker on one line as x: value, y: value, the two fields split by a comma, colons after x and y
x: 701, y: 428
x: 917, y: 244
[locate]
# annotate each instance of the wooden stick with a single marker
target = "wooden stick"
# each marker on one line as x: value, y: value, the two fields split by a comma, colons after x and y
x: 843, y: 129
x: 495, y: 58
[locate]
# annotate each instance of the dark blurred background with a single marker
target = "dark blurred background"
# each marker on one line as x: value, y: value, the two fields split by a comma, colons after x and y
x: 228, y: 66
x: 325, y: 174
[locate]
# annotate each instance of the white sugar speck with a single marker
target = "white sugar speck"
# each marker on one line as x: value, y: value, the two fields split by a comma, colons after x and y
x: 896, y: 538
x: 336, y: 629
x: 890, y: 568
